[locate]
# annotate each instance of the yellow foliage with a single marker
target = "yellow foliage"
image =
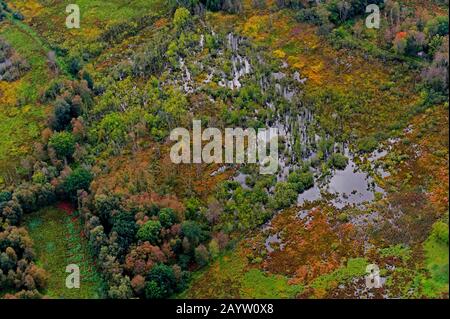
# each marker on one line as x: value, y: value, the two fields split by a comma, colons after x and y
x: 8, y: 92
x: 279, y: 54
x: 255, y: 25
x: 29, y: 8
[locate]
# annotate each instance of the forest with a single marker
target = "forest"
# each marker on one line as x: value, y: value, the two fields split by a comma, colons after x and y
x: 86, y: 176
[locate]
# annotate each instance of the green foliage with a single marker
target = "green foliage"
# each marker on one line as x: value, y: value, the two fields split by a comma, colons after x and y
x: 367, y: 144
x: 399, y: 251
x: 61, y: 114
x: 257, y: 284
x: 201, y: 255
x: 167, y: 217
x: 79, y: 179
x: 193, y: 232
x: 355, y: 267
x: 32, y: 197
x: 440, y: 232
x: 150, y: 232
x: 181, y: 18
x: 125, y: 227
x: 162, y: 282
x: 192, y: 208
x: 315, y: 15
x: 112, y: 128
x: 301, y: 180
x: 153, y: 290
x: 63, y: 143
x: 437, y: 26
x: 5, y: 196
x: 338, y: 161
x: 243, y: 208
x: 285, y: 195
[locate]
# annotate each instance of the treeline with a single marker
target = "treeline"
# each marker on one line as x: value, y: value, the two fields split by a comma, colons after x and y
x: 49, y: 174
x: 18, y: 272
x: 405, y: 32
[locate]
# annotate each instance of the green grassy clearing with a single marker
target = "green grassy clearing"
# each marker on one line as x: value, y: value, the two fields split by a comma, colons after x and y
x: 436, y: 259
x: 57, y: 243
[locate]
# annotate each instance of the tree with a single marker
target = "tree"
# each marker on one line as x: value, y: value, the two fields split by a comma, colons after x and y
x: 79, y: 179
x: 61, y: 115
x: 167, y: 217
x: 150, y: 232
x: 143, y: 257
x: 11, y: 212
x: 162, y: 282
x: 193, y: 232
x: 63, y: 143
x: 120, y: 287
x: 440, y: 232
x: 125, y: 227
x: 153, y: 290
x: 400, y: 42
x: 201, y: 255
x: 232, y: 6
x: 104, y: 206
x: 436, y: 75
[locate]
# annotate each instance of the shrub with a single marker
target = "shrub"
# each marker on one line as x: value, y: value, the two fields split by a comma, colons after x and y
x: 18, y: 16
x: 301, y: 181
x: 339, y: 161
x: 285, y: 195
x: 367, y: 144
x: 437, y: 26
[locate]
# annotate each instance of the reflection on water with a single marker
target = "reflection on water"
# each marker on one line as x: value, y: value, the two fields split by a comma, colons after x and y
x: 273, y: 240
x: 352, y: 186
x: 310, y: 195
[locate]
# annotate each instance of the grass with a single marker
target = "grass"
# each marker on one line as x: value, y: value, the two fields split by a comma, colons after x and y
x: 436, y: 259
x: 259, y: 285
x: 22, y: 117
x: 58, y: 243
x: 94, y: 17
